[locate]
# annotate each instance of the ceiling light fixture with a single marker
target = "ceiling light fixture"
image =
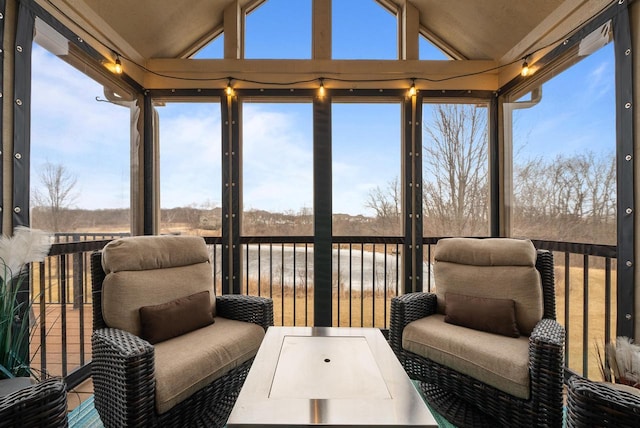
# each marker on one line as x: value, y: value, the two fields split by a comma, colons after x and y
x: 321, y: 91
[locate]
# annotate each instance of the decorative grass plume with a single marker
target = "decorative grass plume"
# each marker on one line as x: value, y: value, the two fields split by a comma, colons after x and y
x: 622, y: 360
x: 25, y: 246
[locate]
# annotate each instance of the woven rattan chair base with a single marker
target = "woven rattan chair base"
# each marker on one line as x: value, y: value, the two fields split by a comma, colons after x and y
x: 454, y: 409
x: 596, y: 404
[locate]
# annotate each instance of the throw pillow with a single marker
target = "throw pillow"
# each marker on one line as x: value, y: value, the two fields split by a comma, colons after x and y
x: 175, y: 318
x: 482, y: 313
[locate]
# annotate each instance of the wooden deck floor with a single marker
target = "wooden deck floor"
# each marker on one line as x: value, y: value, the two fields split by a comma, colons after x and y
x: 75, y: 339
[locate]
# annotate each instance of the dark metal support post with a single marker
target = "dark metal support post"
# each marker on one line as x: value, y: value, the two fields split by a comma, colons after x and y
x: 322, y: 207
x: 235, y: 207
x: 412, y: 200
x: 625, y: 182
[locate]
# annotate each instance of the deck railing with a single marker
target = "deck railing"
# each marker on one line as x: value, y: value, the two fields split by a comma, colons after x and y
x: 366, y: 275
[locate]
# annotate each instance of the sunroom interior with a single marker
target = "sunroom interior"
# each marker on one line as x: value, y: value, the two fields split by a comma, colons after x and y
x: 303, y: 138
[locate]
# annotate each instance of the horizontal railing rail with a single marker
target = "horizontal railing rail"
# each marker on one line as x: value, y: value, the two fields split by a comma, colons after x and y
x: 367, y: 274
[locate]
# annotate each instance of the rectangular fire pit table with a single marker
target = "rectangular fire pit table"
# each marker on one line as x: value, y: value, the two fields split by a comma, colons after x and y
x: 329, y: 376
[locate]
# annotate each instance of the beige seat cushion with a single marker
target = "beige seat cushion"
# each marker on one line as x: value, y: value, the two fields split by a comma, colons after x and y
x: 499, y: 361
x: 497, y: 268
x: 185, y: 364
x: 151, y: 270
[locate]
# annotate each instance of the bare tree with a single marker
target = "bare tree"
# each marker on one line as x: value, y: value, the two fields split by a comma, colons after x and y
x: 387, y: 205
x: 570, y: 197
x: 455, y: 162
x: 56, y: 196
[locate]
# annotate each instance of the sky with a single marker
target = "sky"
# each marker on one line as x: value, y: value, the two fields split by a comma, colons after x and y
x: 92, y: 138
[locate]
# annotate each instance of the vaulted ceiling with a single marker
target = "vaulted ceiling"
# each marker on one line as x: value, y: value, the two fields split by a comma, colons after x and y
x: 475, y: 29
x: 156, y: 37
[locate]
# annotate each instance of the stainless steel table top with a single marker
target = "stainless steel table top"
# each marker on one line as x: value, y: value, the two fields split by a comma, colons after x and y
x: 329, y: 376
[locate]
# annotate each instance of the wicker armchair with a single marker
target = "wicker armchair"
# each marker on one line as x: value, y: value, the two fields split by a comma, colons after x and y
x: 43, y: 404
x: 599, y: 404
x: 458, y: 394
x: 125, y: 366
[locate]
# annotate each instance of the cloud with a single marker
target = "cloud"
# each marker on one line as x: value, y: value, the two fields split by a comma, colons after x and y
x: 190, y: 147
x: 277, y: 157
x: 92, y: 139
x: 70, y: 128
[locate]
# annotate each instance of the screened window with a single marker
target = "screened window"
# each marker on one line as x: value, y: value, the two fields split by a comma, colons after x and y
x: 80, y: 146
x: 366, y: 144
x: 190, y: 168
x: 564, y: 187
x: 455, y: 161
x: 277, y: 169
x: 564, y: 159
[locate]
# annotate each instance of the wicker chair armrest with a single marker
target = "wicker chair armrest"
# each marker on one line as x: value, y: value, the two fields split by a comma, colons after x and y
x: 255, y: 309
x: 42, y: 404
x: 122, y: 369
x: 600, y: 404
x: 405, y: 309
x: 546, y: 356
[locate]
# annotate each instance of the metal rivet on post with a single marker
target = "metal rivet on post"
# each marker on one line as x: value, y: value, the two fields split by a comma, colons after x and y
x: 628, y: 316
x: 629, y: 263
x: 17, y: 209
x: 627, y: 105
x: 19, y: 48
x: 19, y: 101
x: 18, y: 156
x: 628, y: 157
x: 628, y: 210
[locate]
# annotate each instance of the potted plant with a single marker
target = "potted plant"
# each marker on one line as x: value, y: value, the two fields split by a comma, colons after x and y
x: 25, y: 246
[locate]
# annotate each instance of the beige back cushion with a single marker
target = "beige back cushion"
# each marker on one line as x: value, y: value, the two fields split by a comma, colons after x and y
x: 499, y: 268
x: 150, y: 270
